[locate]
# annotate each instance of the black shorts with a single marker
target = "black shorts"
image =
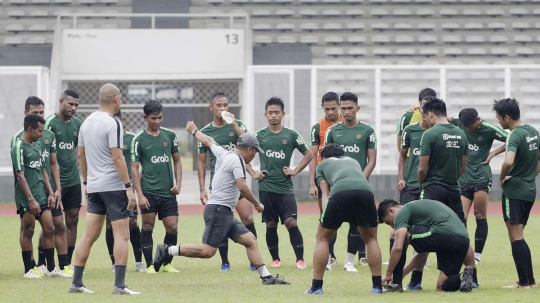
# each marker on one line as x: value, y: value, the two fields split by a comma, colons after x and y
x: 24, y: 210
x: 278, y: 206
x: 111, y: 203
x: 71, y: 197
x: 468, y: 189
x: 356, y: 207
x: 220, y: 224
x: 56, y: 212
x: 408, y: 194
x: 448, y: 197
x: 163, y: 206
x: 516, y: 211
x: 450, y: 249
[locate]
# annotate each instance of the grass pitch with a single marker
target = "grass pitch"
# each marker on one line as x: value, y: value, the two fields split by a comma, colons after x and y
x: 200, y: 280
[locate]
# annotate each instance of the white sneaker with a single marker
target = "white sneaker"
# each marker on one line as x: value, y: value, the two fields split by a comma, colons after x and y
x: 349, y: 267
x: 82, y: 289
x: 58, y: 273
x: 112, y: 269
x: 124, y: 291
x: 139, y: 267
x: 31, y: 275
x: 328, y: 266
x: 43, y: 270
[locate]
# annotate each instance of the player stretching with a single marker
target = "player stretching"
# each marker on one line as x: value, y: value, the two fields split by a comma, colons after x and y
x: 359, y: 141
x: 226, y: 136
x: 159, y: 182
x: 275, y: 182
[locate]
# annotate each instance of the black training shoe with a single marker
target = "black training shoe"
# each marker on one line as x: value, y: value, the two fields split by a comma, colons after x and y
x: 162, y: 255
x: 466, y: 280
x: 393, y: 288
x: 271, y: 280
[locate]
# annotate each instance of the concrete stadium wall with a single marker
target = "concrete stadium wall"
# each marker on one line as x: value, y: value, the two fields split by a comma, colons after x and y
x: 25, y: 56
x: 274, y: 55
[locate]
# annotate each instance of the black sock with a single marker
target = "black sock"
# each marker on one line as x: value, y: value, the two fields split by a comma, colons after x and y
x: 272, y: 241
x: 397, y: 274
x: 316, y: 284
x: 147, y: 244
x: 32, y: 262
x: 519, y: 252
x: 331, y: 247
x: 27, y: 260
x: 251, y: 228
x: 63, y: 261
x: 361, y: 248
x: 480, y: 236
x: 475, y: 276
x: 452, y: 283
x: 170, y: 239
x: 71, y: 249
x: 297, y: 242
x: 41, y: 256
x: 391, y: 245
x: 49, y: 255
x: 353, y: 240
x: 224, y: 251
x: 135, y: 238
x: 77, y: 276
x: 109, y: 239
x: 120, y: 276
x: 530, y: 273
x: 377, y: 281
x: 416, y: 277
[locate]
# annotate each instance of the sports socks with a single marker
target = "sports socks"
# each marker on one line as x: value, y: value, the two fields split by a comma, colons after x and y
x: 353, y: 240
x: 416, y: 277
x: 41, y: 256
x: 475, y: 276
x: 27, y: 260
x: 77, y: 275
x: 452, y: 283
x: 170, y: 239
x: 174, y: 250
x: 135, y: 238
x: 263, y: 271
x: 251, y: 228
x: 397, y: 274
x: 331, y: 246
x: 316, y: 284
x: 63, y: 261
x: 49, y: 256
x: 297, y: 242
x: 392, y: 245
x: 147, y: 244
x: 480, y: 237
x: 521, y: 260
x: 272, y: 241
x: 120, y: 276
x: 530, y: 273
x: 109, y: 239
x: 377, y: 281
x: 224, y: 251
x: 71, y: 249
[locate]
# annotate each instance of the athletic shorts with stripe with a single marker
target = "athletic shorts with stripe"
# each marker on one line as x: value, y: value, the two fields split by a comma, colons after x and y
x: 516, y: 211
x: 356, y: 207
x: 278, y: 206
x: 408, y: 194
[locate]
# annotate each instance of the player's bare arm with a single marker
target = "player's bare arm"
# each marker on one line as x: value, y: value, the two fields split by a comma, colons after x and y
x: 401, y: 168
x: 204, y: 139
x: 32, y: 203
x: 177, y: 165
x: 422, y: 169
x: 313, y: 191
x: 55, y: 172
x: 308, y: 156
x: 372, y: 161
x: 395, y: 253
x: 538, y: 167
x: 463, y: 165
x: 325, y: 193
x: 245, y: 191
x: 237, y: 129
x: 509, y: 158
x: 136, y: 179
x: 51, y: 201
x: 201, y: 175
x: 121, y: 168
x: 81, y: 156
x: 494, y: 153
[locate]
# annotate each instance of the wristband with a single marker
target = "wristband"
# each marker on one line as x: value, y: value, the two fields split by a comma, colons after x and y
x: 194, y: 131
x: 128, y: 185
x: 84, y: 182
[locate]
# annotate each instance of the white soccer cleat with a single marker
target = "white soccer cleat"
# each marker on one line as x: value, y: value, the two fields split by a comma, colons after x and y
x: 43, y: 269
x: 112, y: 268
x: 124, y: 291
x: 58, y: 273
x: 349, y: 267
x: 74, y: 289
x: 139, y: 267
x: 31, y: 275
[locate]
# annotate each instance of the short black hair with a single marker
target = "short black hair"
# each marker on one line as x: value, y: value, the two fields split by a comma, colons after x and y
x: 32, y: 121
x: 382, y: 211
x: 32, y: 101
x: 329, y: 97
x: 348, y: 96
x: 275, y: 101
x: 426, y: 92
x: 434, y: 105
x: 152, y: 107
x: 507, y: 107
x: 217, y: 95
x: 118, y: 114
x: 332, y: 150
x: 69, y: 92
x: 468, y: 116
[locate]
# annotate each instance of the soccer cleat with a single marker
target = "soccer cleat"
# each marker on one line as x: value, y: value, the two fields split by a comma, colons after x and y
x: 162, y: 254
x: 271, y: 280
x: 349, y: 267
x: 139, y: 267
x: 225, y: 267
x: 328, y: 266
x: 310, y: 291
x: 517, y: 285
x: 333, y: 261
x: 74, y: 289
x: 124, y: 291
x: 68, y: 270
x: 475, y: 285
x: 169, y: 268
x: 376, y: 291
x: 31, y: 275
x: 466, y: 280
x: 38, y: 272
x: 275, y: 263
x: 151, y: 270
x: 43, y: 269
x: 426, y: 266
x: 533, y: 285
x: 112, y: 269
x: 252, y: 267
x: 362, y: 261
x: 58, y: 273
x: 476, y: 261
x: 416, y: 287
x: 300, y: 264
x: 393, y: 288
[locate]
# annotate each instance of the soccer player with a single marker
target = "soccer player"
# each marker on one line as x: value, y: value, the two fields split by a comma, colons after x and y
x: 412, y: 116
x: 429, y: 226
x: 330, y: 105
x: 275, y: 182
x: 228, y: 184
x: 110, y: 192
x: 66, y: 131
x: 347, y: 197
x: 226, y: 136
x: 475, y: 183
x: 520, y: 167
x: 359, y: 141
x: 134, y: 231
x: 33, y: 196
x: 35, y: 105
x: 159, y: 182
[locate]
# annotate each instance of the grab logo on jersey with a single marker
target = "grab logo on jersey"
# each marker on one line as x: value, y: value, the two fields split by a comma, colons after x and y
x: 274, y: 154
x: 231, y: 146
x: 351, y: 149
x: 35, y: 164
x: 66, y: 145
x: 474, y: 147
x: 44, y: 155
x: 416, y: 152
x: 160, y: 159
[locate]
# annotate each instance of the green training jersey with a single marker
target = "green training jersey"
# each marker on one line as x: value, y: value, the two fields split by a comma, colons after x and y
x: 224, y: 136
x: 445, y: 144
x: 523, y: 141
x: 278, y: 150
x: 155, y: 156
x: 438, y: 216
x: 355, y: 140
x: 27, y: 158
x: 404, y: 121
x: 410, y: 139
x: 342, y: 174
x: 47, y: 145
x: 126, y: 150
x: 67, y: 140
